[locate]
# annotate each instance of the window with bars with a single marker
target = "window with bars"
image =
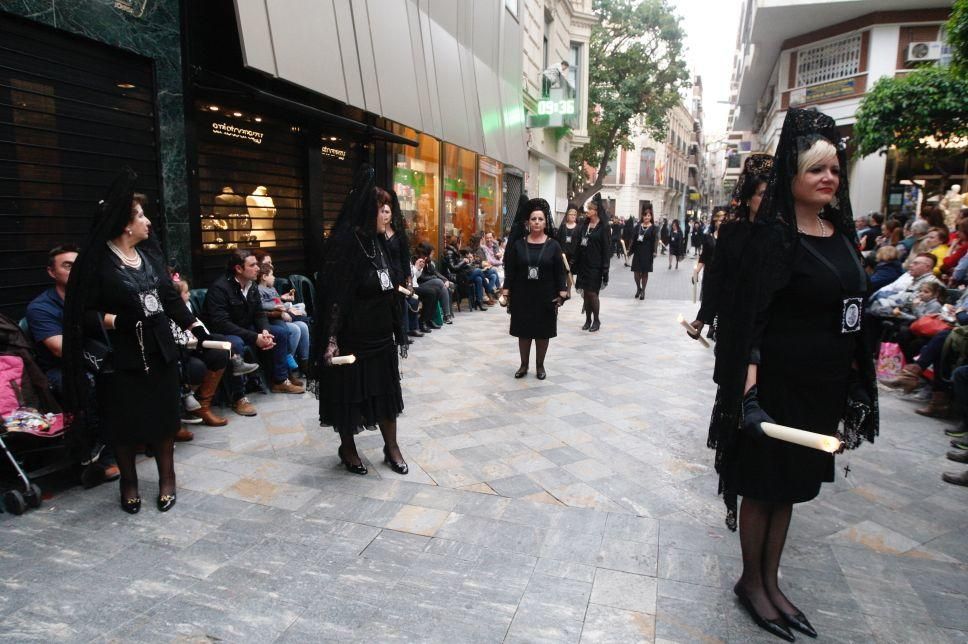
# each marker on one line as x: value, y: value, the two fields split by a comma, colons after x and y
x: 830, y: 61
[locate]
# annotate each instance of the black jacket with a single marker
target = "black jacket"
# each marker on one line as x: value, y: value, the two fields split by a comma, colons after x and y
x: 228, y: 312
x: 117, y: 291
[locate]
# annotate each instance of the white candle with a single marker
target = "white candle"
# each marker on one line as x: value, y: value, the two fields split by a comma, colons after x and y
x: 338, y: 360
x: 691, y: 331
x: 800, y: 437
x: 217, y: 344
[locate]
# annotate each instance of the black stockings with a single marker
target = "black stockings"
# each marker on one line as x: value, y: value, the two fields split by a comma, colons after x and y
x: 762, y: 534
x: 164, y: 451
x: 389, y: 430
x: 641, y: 281
x: 592, y: 305
x: 540, y: 351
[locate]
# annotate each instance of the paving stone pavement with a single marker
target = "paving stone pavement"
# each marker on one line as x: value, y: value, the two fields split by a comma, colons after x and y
x: 578, y: 509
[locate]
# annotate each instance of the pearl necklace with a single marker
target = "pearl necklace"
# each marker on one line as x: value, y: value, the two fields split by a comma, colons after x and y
x: 823, y: 229
x: 127, y: 261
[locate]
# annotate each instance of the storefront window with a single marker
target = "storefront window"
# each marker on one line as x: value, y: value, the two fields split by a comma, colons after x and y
x: 489, y: 196
x: 460, y: 192
x: 415, y: 180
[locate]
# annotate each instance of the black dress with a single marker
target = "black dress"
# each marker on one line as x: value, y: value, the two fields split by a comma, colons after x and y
x: 568, y: 239
x: 355, y: 397
x: 139, y: 395
x: 643, y: 248
x: 676, y: 244
x: 592, y: 257
x: 802, y: 378
x: 533, y: 310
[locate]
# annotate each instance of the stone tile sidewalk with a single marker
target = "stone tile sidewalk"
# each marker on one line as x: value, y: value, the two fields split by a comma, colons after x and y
x: 578, y: 509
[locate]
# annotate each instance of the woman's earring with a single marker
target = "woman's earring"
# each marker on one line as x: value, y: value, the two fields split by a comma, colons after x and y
x: 128, y: 231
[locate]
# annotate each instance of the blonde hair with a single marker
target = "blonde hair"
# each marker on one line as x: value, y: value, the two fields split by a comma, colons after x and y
x: 886, y: 254
x: 820, y: 149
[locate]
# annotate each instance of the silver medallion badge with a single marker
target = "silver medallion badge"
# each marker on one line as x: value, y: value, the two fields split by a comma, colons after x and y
x: 851, y: 316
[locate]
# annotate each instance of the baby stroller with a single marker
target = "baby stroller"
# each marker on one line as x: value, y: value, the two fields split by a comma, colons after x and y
x: 31, y: 425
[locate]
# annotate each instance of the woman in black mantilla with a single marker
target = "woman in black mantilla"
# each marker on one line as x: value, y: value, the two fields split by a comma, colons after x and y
x: 360, y: 316
x: 568, y: 234
x: 720, y: 278
x: 793, y: 355
x: 121, y: 274
x: 643, y: 249
x: 592, y: 259
x: 535, y: 280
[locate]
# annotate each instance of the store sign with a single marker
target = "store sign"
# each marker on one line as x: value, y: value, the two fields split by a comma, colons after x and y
x: 235, y: 132
x: 333, y: 153
x: 549, y: 108
x: 823, y: 92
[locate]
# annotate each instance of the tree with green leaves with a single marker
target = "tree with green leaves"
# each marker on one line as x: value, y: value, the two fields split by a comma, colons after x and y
x: 922, y: 112
x: 635, y: 73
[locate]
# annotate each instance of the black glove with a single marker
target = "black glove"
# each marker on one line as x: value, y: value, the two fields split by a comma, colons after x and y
x: 753, y: 415
x: 200, y: 334
x: 856, y: 391
x: 605, y: 281
x: 332, y: 350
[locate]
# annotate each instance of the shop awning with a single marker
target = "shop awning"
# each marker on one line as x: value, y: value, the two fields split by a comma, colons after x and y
x: 212, y: 82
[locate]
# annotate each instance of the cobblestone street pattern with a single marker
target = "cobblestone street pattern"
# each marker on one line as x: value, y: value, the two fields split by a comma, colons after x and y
x: 580, y: 508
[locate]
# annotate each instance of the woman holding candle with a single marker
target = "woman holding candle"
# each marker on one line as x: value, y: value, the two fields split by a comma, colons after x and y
x: 792, y: 355
x: 359, y: 317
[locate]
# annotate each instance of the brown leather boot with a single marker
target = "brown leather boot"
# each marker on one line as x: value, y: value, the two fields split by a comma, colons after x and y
x: 907, y: 379
x: 205, y: 394
x: 939, y: 407
x: 183, y: 435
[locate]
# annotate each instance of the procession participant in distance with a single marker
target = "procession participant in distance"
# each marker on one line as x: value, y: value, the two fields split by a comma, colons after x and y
x: 592, y: 261
x: 643, y: 250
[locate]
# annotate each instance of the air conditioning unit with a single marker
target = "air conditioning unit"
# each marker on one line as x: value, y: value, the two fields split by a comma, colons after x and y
x: 919, y: 52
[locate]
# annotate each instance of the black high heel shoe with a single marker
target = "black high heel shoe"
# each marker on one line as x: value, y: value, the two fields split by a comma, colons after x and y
x: 166, y: 502
x: 799, y: 622
x: 587, y: 325
x: 596, y: 325
x: 540, y: 373
x: 772, y: 626
x: 353, y: 469
x: 132, y: 505
x: 400, y: 467
x: 521, y: 372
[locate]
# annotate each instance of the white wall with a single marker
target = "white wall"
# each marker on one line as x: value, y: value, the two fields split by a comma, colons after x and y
x: 449, y: 68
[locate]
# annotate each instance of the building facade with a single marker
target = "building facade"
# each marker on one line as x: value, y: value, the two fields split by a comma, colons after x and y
x: 827, y: 54
x: 653, y: 175
x: 247, y: 119
x: 555, y: 95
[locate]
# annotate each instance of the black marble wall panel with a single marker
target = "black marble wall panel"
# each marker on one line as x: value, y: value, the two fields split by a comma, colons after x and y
x: 151, y: 28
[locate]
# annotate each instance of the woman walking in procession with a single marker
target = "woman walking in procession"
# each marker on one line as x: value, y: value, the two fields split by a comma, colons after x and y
x: 122, y: 274
x: 592, y: 261
x: 793, y: 356
x: 535, y: 285
x: 568, y: 235
x: 677, y: 243
x: 360, y: 317
x: 643, y: 252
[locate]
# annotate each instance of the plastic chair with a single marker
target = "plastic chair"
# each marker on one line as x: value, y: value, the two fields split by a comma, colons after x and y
x: 197, y: 298
x: 305, y: 291
x: 23, y: 327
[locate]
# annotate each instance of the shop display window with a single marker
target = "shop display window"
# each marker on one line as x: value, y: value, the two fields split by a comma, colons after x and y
x: 489, y: 195
x: 416, y: 176
x: 460, y: 192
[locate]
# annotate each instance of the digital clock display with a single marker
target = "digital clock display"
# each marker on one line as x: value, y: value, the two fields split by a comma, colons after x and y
x: 549, y: 108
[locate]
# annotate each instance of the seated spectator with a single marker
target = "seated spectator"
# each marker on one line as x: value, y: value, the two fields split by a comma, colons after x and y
x: 431, y: 293
x: 956, y: 251
x: 493, y: 251
x: 896, y: 295
x: 480, y: 260
x: 934, y: 216
x: 459, y: 268
x: 432, y: 278
x: 233, y: 308
x: 887, y: 268
x: 928, y: 301
x: 935, y: 242
x: 959, y: 451
x: 868, y: 242
x: 282, y: 313
x: 201, y: 370
x: 892, y: 234
x: 910, y: 246
x: 45, y: 321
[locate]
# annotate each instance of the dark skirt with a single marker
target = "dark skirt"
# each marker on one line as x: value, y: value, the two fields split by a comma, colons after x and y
x: 534, y: 315
x: 589, y: 280
x: 138, y: 407
x: 642, y: 259
x: 777, y: 471
x: 357, y: 396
